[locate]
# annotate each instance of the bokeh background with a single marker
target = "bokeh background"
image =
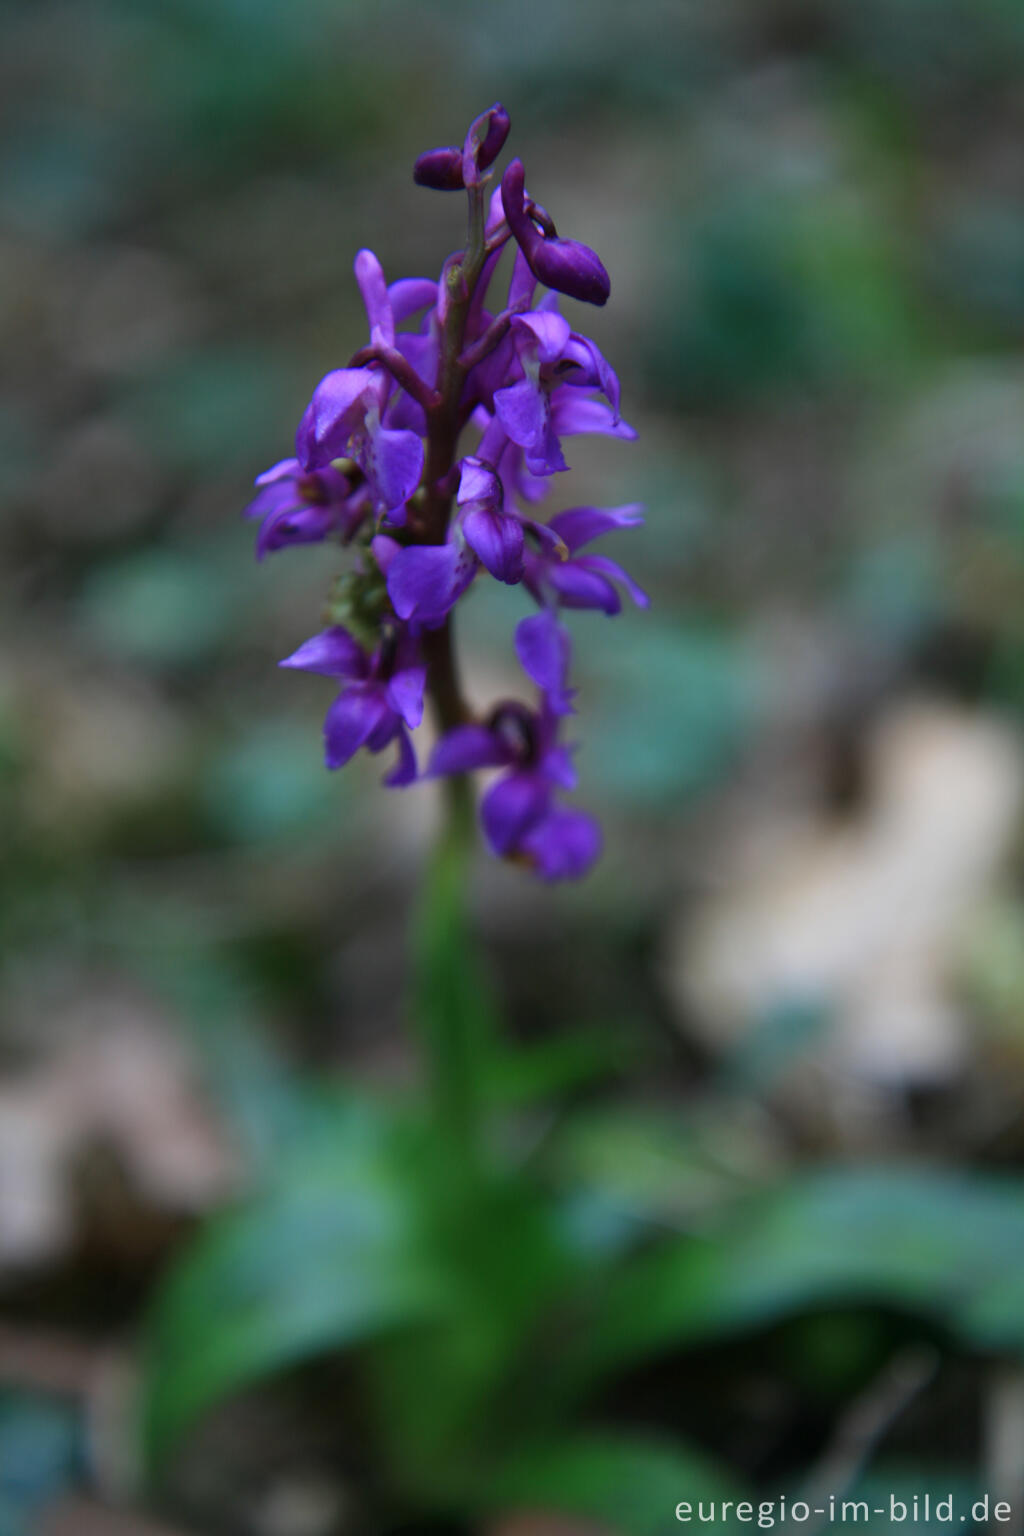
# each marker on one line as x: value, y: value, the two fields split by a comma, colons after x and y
x: 804, y: 948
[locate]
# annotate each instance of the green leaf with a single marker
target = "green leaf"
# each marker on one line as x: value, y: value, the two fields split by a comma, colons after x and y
x: 705, y: 683
x: 948, y: 1246
x: 532, y: 1073
x: 268, y: 784
x: 627, y: 1485
x: 161, y: 607
x: 647, y: 1165
x: 450, y: 1395
x: 331, y: 1255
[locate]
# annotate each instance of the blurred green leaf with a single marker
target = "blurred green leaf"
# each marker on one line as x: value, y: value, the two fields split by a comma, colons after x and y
x: 626, y: 1485
x: 530, y: 1073
x: 947, y: 1246
x: 270, y: 784
x: 331, y: 1254
x: 776, y: 285
x: 159, y: 606
x: 679, y: 702
x: 213, y: 408
x: 653, y: 1166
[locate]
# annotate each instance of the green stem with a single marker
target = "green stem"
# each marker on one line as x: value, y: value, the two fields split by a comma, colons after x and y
x: 450, y: 1015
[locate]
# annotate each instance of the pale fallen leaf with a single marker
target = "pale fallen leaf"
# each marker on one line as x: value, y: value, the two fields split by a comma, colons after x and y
x: 867, y: 918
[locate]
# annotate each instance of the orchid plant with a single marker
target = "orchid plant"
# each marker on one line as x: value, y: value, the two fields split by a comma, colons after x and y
x: 382, y: 465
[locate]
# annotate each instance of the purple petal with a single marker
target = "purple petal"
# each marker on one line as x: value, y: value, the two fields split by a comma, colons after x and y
x: 423, y: 581
x: 522, y: 283
x: 579, y: 525
x: 551, y: 545
x: 274, y: 497
x: 466, y: 748
x: 405, y: 694
x: 294, y: 525
x: 478, y: 482
x: 544, y: 652
x: 564, y: 844
x: 576, y: 587
x: 333, y: 653
x: 572, y: 413
x: 548, y: 332
x: 404, y: 771
x: 613, y: 569
x: 511, y: 807
x: 410, y: 294
x: 600, y: 370
x: 283, y: 469
x: 522, y: 410
x: 351, y: 721
x: 558, y: 767
x: 370, y: 277
x: 337, y: 408
x: 546, y: 458
x: 394, y: 463
x: 383, y: 548
x: 498, y: 540
x: 494, y: 440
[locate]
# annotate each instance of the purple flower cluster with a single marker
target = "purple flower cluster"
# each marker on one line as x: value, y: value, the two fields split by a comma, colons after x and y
x: 378, y: 466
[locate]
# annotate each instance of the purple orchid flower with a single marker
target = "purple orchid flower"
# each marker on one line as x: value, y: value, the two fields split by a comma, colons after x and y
x: 344, y: 417
x: 553, y: 398
x: 300, y: 506
x: 382, y: 702
x: 555, y: 571
x: 519, y: 813
x: 494, y: 535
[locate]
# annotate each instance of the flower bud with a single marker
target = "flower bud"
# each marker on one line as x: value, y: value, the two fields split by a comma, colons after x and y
x: 494, y: 125
x: 440, y: 169
x: 564, y: 265
x: 571, y: 268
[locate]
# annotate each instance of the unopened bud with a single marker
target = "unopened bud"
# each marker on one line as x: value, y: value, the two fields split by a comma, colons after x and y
x: 564, y: 265
x: 494, y: 124
x: 571, y: 268
x: 440, y: 169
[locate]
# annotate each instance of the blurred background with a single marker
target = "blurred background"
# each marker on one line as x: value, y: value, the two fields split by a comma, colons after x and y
x: 804, y: 948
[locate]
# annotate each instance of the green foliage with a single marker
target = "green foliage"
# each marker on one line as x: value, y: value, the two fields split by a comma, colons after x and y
x: 328, y: 1254
x: 679, y: 702
x: 621, y: 1483
x: 947, y: 1247
x: 159, y: 606
x: 268, y: 784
